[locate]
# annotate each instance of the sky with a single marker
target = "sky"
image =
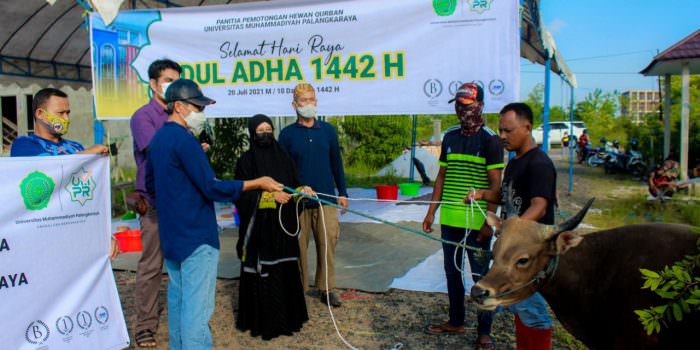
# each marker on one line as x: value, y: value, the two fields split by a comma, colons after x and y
x: 627, y: 32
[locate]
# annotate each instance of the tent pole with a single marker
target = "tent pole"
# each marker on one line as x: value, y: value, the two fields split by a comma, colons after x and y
x: 98, y: 127
x: 667, y: 115
x: 685, y: 112
x: 545, y: 121
x: 413, y: 147
x: 571, y: 142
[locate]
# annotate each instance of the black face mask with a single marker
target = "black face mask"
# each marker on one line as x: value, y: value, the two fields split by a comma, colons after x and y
x: 264, y: 139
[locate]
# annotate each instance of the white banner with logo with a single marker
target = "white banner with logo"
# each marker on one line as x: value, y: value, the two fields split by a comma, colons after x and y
x: 57, y: 289
x: 364, y: 57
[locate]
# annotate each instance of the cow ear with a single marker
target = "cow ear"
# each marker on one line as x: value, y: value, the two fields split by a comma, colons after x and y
x: 567, y: 240
x: 493, y: 220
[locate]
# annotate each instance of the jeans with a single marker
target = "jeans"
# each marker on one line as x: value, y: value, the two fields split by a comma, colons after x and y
x: 191, y: 295
x: 455, y: 287
x: 533, y: 312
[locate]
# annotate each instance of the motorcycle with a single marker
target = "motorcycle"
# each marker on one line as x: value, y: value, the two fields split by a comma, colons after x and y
x: 631, y: 162
x: 635, y: 163
x: 583, y: 152
x: 615, y: 161
x: 596, y: 157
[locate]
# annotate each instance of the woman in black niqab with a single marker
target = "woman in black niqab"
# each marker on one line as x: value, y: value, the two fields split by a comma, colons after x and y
x: 271, y: 297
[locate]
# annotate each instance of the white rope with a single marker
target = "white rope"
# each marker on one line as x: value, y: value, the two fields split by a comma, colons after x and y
x: 297, y: 215
x: 328, y: 299
x: 325, y: 235
x: 463, y: 242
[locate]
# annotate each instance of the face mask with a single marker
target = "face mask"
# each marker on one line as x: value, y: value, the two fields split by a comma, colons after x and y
x: 308, y: 111
x: 163, y: 88
x: 195, y: 121
x: 470, y: 118
x: 264, y: 139
x: 57, y: 126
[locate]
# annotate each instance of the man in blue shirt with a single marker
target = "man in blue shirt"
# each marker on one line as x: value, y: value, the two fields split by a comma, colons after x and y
x: 51, y: 121
x: 179, y: 177
x: 313, y: 146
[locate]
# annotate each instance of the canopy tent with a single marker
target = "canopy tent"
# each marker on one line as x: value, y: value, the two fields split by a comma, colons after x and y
x: 682, y: 58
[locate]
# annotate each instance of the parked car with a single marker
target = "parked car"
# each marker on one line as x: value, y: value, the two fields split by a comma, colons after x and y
x: 556, y: 131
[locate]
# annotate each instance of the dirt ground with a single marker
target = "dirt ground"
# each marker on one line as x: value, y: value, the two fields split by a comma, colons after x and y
x: 370, y: 321
x: 367, y: 321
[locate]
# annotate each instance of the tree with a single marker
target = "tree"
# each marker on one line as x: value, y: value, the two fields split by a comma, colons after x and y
x: 535, y: 99
x: 370, y: 142
x: 597, y: 110
x: 230, y: 140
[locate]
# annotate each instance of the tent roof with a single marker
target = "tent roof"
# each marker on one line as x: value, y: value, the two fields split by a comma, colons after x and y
x: 52, y: 41
x: 671, y: 60
x: 537, y: 43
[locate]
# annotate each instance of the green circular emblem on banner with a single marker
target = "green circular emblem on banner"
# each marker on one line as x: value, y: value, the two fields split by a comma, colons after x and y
x: 36, y: 189
x: 444, y: 7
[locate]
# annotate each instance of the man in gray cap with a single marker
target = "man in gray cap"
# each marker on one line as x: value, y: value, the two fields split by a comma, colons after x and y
x: 179, y: 177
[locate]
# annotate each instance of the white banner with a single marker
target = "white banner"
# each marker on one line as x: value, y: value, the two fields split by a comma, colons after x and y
x: 364, y: 57
x: 57, y: 289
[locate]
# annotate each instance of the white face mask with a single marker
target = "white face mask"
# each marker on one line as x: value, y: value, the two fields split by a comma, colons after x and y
x: 163, y: 88
x: 195, y: 121
x: 308, y: 111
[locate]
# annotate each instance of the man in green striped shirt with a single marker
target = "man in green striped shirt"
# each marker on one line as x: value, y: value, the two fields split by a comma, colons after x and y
x: 471, y: 158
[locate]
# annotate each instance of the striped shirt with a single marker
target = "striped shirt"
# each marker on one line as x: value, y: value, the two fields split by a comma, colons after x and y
x: 468, y: 159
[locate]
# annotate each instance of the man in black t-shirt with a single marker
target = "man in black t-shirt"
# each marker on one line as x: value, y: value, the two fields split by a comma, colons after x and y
x: 532, y: 177
x: 531, y: 173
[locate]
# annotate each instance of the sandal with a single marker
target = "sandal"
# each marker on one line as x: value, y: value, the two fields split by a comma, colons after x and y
x: 485, y: 345
x: 146, y: 339
x: 445, y: 328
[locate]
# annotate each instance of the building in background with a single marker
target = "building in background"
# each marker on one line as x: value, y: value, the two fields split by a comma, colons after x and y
x: 638, y: 103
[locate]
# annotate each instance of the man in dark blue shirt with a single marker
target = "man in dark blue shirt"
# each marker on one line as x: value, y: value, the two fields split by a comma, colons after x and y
x: 179, y: 177
x: 313, y: 146
x: 51, y: 121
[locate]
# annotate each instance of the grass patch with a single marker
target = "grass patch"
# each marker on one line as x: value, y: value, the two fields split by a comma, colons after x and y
x: 564, y: 339
x: 637, y: 209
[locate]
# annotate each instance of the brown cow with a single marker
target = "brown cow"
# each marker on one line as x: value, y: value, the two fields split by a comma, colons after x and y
x: 597, y: 284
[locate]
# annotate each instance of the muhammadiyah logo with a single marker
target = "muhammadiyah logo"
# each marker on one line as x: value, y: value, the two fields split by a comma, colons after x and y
x: 36, y: 189
x: 444, y: 7
x: 81, y: 186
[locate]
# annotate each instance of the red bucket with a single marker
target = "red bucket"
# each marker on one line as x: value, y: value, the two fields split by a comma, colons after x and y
x: 390, y: 192
x: 129, y: 241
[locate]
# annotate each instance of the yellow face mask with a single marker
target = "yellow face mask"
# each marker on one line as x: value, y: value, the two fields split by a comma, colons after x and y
x: 56, y: 125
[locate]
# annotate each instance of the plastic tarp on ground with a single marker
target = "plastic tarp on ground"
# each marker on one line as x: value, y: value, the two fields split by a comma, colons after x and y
x: 370, y: 256
x: 401, y: 166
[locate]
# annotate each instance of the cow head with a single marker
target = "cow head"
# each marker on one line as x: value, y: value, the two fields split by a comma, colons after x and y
x: 522, y: 255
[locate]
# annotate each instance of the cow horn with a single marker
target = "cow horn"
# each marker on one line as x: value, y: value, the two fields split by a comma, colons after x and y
x: 571, y: 224
x: 508, y: 201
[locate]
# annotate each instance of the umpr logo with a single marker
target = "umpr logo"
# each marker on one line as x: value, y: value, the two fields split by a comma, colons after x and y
x: 444, y: 7
x: 479, y: 6
x: 81, y: 186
